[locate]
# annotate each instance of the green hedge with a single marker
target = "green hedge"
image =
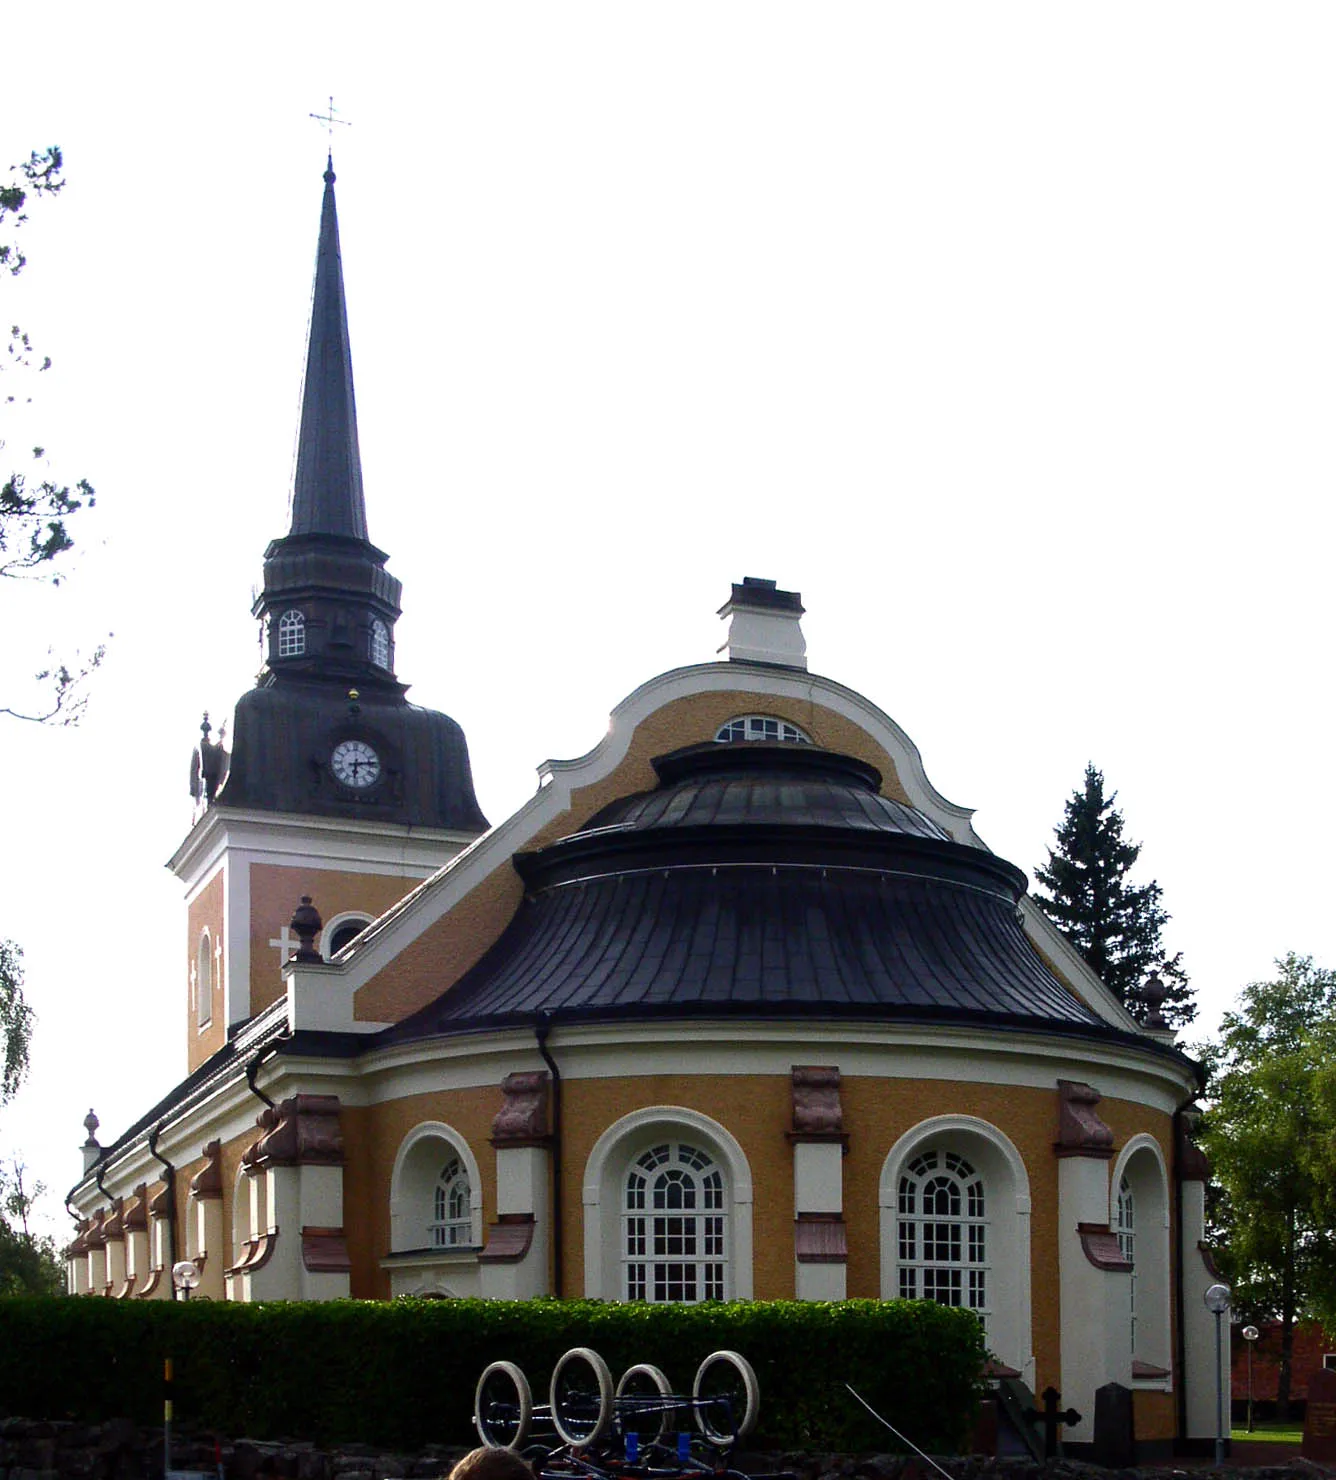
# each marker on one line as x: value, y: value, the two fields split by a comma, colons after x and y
x: 401, y: 1374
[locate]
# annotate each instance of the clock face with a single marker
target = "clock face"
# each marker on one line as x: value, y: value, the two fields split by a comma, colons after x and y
x: 355, y: 764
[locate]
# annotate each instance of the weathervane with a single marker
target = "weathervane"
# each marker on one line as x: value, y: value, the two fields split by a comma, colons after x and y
x: 329, y: 120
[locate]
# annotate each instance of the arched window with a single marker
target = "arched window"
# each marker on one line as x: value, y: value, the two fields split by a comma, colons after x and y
x: 668, y: 1209
x: 435, y: 1194
x: 1139, y: 1215
x: 761, y: 727
x: 452, y: 1208
x: 954, y: 1196
x: 943, y: 1232
x: 291, y: 634
x: 674, y: 1225
x: 1125, y: 1227
x: 340, y: 930
x: 380, y: 644
x: 204, y: 980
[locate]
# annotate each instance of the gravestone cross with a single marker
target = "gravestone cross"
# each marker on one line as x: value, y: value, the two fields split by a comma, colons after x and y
x: 1051, y: 1418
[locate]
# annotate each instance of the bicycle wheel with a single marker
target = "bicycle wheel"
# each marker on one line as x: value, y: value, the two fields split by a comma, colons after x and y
x: 644, y: 1401
x: 502, y: 1406
x: 581, y: 1396
x: 727, y: 1398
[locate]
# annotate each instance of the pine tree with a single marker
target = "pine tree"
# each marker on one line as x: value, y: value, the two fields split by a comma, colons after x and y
x: 1115, y: 924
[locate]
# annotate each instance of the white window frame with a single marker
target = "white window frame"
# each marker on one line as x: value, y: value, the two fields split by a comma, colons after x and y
x: 993, y: 1155
x: 604, y: 1180
x: 450, y: 1227
x: 332, y: 927
x: 378, y: 644
x: 674, y: 1234
x: 292, y: 634
x: 757, y: 727
x: 922, y: 1231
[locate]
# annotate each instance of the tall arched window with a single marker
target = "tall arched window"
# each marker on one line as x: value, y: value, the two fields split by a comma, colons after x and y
x: 674, y: 1225
x: 291, y: 634
x: 452, y: 1206
x: 943, y: 1232
x: 380, y: 644
x: 204, y: 980
x: 1126, y: 1229
x: 1139, y: 1215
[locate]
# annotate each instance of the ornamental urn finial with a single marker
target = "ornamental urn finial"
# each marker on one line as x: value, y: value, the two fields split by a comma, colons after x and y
x: 306, y: 924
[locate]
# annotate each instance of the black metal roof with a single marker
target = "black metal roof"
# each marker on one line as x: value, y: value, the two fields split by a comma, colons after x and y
x: 327, y: 488
x: 761, y: 880
x: 283, y: 736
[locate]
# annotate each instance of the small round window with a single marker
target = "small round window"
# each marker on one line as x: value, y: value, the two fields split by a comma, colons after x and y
x: 761, y: 727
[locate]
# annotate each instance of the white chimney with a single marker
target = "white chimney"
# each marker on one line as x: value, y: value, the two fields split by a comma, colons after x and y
x: 764, y: 625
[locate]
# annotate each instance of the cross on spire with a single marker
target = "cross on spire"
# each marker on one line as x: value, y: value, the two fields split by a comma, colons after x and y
x: 329, y: 120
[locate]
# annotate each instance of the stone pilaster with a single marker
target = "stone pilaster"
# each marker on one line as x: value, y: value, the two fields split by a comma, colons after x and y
x: 515, y: 1262
x: 820, y: 1240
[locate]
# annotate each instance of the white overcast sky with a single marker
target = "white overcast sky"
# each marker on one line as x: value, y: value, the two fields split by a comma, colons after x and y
x: 1001, y: 332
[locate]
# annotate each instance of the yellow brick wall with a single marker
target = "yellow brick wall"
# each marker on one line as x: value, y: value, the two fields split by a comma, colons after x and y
x: 276, y: 890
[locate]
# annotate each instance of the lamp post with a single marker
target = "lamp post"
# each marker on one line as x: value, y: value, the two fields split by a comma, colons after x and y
x: 1217, y: 1302
x: 1250, y: 1334
x: 185, y: 1277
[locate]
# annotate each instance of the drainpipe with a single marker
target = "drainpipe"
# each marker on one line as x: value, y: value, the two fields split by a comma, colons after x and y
x: 542, y: 1027
x: 169, y: 1179
x: 252, y: 1069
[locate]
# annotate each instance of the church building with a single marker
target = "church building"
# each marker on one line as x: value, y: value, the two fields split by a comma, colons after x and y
x: 736, y: 1006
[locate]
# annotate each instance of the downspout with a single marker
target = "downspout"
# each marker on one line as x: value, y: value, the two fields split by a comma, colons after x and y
x: 169, y: 1181
x: 542, y: 1027
x: 252, y: 1069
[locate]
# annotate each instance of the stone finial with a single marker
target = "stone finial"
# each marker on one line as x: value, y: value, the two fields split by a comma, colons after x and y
x: 208, y: 1181
x: 1080, y: 1131
x: 816, y: 1102
x: 1153, y: 993
x: 306, y: 924
x: 91, y: 1150
x: 764, y: 625
x: 522, y: 1118
x: 301, y: 1131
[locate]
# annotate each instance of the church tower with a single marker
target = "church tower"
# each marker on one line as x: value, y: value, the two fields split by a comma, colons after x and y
x: 335, y: 786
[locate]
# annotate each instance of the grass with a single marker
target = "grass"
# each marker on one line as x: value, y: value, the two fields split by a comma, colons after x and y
x: 1270, y: 1432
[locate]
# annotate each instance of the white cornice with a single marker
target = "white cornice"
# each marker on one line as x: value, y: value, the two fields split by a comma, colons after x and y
x: 286, y: 837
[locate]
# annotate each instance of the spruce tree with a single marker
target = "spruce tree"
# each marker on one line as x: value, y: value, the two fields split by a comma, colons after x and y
x: 1115, y: 924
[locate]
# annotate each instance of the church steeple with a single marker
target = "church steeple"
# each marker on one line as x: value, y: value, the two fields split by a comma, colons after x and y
x: 328, y: 604
x: 327, y: 489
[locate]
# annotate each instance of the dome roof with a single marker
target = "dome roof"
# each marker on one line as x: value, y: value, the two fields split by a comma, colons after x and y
x: 759, y: 783
x: 761, y: 880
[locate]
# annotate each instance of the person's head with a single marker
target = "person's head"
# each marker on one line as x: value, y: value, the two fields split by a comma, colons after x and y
x: 492, y: 1464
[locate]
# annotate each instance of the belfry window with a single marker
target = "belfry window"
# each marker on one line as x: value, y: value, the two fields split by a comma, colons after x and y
x: 451, y: 1225
x: 761, y: 727
x: 674, y: 1225
x: 291, y: 634
x: 942, y: 1233
x: 380, y: 644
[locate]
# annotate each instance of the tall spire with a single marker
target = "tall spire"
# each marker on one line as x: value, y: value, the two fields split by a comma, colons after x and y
x: 327, y: 489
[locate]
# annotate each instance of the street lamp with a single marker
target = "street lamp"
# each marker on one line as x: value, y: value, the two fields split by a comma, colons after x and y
x: 1250, y: 1334
x: 1217, y: 1302
x: 185, y: 1277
